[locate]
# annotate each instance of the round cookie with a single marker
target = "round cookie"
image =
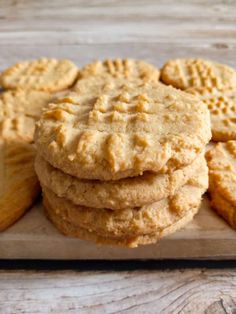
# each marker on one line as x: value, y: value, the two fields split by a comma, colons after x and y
x: 19, y: 186
x: 221, y: 160
x: 187, y: 73
x: 121, y: 129
x: 132, y: 222
x: 121, y: 68
x: 19, y: 110
x: 222, y: 106
x: 118, y: 194
x: 69, y: 229
x: 44, y: 74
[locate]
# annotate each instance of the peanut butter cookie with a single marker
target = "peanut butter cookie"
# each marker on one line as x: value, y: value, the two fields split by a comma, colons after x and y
x: 118, y: 194
x: 120, y: 129
x: 44, y: 74
x: 69, y: 229
x: 221, y: 161
x: 19, y: 186
x: 222, y: 106
x: 121, y: 68
x: 19, y: 110
x: 186, y: 73
x: 129, y: 224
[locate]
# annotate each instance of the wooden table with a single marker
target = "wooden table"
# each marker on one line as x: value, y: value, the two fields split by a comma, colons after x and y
x: 87, y: 30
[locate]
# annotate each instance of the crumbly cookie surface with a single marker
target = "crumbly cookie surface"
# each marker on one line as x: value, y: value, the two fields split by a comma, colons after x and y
x: 19, y: 186
x: 44, y: 74
x: 69, y: 229
x: 121, y: 68
x: 118, y: 194
x: 133, y: 222
x: 222, y: 106
x: 187, y: 73
x: 120, y: 129
x: 19, y: 111
x: 222, y: 178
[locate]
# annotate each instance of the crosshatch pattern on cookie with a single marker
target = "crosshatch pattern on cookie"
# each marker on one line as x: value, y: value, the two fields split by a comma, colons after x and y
x: 19, y: 111
x: 42, y: 74
x: 118, y: 68
x: 222, y: 106
x: 186, y: 73
x: 124, y: 126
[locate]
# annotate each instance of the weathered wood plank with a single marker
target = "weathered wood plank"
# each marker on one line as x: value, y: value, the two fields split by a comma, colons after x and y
x: 99, y: 12
x: 24, y: 22
x: 104, y: 35
x: 186, y: 291
x: 84, y: 53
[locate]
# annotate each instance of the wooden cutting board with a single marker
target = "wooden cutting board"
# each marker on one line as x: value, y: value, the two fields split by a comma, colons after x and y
x: 34, y: 237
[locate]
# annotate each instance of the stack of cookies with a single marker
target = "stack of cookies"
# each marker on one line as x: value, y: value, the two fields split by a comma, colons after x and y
x: 215, y: 85
x: 121, y: 158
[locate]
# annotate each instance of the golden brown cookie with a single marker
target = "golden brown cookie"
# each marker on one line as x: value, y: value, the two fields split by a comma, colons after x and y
x: 68, y: 228
x: 121, y: 129
x: 44, y: 74
x: 19, y: 186
x: 187, y: 73
x: 130, y: 223
x: 19, y: 110
x: 221, y: 161
x: 118, y: 194
x: 222, y: 106
x: 121, y: 68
